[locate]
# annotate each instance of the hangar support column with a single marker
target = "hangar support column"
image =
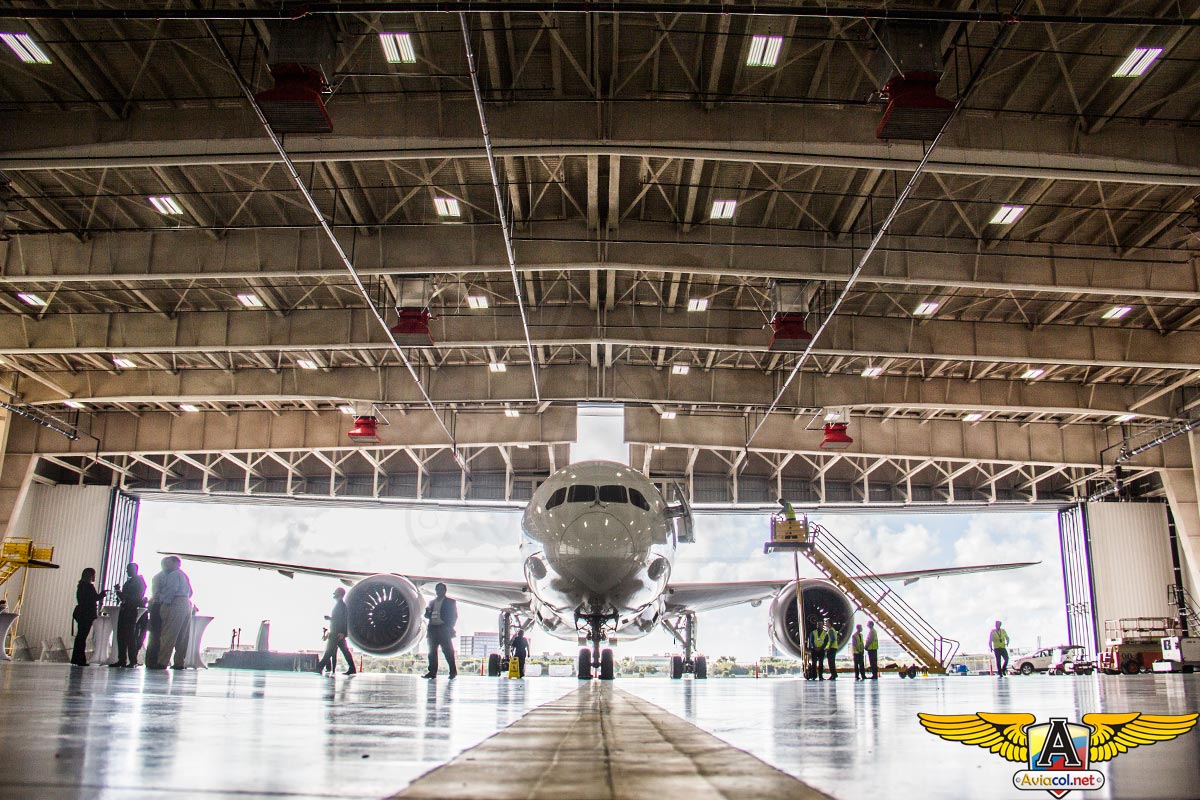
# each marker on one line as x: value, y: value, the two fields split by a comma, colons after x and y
x: 1183, y: 492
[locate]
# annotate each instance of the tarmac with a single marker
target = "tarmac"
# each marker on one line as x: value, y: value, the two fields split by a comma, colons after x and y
x: 103, y: 733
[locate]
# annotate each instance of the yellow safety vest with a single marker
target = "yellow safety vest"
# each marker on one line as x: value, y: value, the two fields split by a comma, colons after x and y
x: 789, y: 513
x: 856, y: 641
x: 999, y: 638
x: 872, y: 639
x: 819, y: 639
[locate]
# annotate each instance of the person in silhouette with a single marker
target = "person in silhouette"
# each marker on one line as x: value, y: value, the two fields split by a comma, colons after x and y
x: 133, y: 599
x: 442, y: 613
x: 172, y: 603
x: 339, y: 629
x: 520, y: 649
x: 87, y: 604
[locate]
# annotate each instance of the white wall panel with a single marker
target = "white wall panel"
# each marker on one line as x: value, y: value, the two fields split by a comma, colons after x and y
x: 75, y: 520
x: 1131, y: 560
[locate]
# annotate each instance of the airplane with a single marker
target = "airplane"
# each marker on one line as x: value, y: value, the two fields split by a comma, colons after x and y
x: 598, y: 546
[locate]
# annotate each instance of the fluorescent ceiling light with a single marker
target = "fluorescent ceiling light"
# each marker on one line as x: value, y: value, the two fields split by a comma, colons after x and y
x: 926, y: 309
x: 165, y: 204
x: 511, y: 412
x: 680, y: 369
x: 497, y: 366
x: 30, y: 299
x: 764, y: 51
x: 477, y: 301
x: 522, y: 447
x: 1124, y: 417
x: 26, y: 48
x: 668, y: 415
x: 872, y: 372
x: 188, y: 407
x: 1137, y: 62
x: 447, y: 207
x: 1007, y: 215
x: 1117, y: 312
x: 698, y: 304
x: 77, y: 404
x: 660, y: 447
x: 723, y: 209
x: 398, y: 48
x: 250, y: 300
x: 1030, y: 374
x: 973, y: 417
x: 346, y: 409
x: 123, y: 363
x: 304, y: 363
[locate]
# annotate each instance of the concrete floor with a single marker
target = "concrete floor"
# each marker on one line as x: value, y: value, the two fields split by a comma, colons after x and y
x: 101, y: 733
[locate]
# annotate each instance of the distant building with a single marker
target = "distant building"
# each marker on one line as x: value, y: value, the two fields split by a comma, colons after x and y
x: 478, y: 644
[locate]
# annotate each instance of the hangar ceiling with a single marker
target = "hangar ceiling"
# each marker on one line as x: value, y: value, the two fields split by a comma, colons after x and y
x: 618, y: 138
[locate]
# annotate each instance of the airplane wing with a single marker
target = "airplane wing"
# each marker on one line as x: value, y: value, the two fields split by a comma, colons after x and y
x: 710, y: 596
x: 488, y: 594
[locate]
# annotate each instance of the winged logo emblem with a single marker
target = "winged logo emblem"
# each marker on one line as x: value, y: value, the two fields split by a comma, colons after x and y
x: 1058, y: 753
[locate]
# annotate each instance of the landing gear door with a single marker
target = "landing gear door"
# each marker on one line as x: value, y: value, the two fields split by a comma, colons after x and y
x: 681, y: 512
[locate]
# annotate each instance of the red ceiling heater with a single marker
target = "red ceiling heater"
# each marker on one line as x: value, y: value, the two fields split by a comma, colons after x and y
x: 301, y: 53
x: 836, y: 421
x: 412, y: 329
x: 908, y: 66
x: 366, y: 424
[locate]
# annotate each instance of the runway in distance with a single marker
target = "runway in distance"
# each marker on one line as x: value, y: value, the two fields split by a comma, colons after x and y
x: 598, y: 546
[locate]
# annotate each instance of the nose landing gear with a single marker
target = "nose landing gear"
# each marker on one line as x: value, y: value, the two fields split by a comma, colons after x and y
x: 683, y: 629
x: 593, y: 629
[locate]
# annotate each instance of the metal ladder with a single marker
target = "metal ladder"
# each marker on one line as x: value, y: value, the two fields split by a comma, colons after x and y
x: 1185, y: 607
x: 897, y: 618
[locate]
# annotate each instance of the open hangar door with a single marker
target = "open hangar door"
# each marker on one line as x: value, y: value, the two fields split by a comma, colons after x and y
x: 1120, y: 560
x: 88, y: 526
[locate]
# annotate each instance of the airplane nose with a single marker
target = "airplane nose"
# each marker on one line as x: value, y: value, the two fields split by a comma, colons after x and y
x: 592, y: 545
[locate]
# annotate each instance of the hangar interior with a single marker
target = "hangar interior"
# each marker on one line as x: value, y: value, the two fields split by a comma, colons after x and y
x: 964, y: 237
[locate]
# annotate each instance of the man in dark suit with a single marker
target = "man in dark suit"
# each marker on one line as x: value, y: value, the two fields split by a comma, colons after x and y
x: 339, y: 629
x: 133, y: 600
x: 442, y: 613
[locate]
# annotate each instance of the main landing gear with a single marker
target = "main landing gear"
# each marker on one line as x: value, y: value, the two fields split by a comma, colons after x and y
x: 593, y: 659
x: 683, y: 628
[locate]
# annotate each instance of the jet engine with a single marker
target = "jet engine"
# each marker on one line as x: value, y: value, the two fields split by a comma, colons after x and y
x: 822, y: 601
x: 387, y: 614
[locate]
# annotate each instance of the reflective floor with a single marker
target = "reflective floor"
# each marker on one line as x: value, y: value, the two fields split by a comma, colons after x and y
x: 109, y: 733
x: 858, y: 740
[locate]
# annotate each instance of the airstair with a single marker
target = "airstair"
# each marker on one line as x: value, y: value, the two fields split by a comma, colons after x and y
x: 1184, y: 605
x: 870, y: 593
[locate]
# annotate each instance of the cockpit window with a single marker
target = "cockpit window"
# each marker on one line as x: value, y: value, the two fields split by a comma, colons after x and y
x: 636, y: 498
x: 581, y: 494
x: 557, y: 499
x: 612, y: 493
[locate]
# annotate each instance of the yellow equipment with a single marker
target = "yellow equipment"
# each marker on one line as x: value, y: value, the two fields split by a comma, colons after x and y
x: 514, y: 667
x: 16, y: 553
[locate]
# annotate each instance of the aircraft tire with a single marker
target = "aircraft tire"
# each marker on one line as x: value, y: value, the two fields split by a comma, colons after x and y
x: 493, y: 665
x: 701, y: 668
x: 585, y: 665
x: 676, y: 667
x: 607, y: 672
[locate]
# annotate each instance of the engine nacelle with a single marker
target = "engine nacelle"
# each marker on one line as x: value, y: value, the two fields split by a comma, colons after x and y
x: 822, y: 601
x: 387, y: 614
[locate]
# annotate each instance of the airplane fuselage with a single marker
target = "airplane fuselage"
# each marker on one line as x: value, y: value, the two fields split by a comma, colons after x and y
x: 598, y: 541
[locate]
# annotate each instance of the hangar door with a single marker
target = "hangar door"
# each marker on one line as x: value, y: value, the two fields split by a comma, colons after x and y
x: 118, y: 546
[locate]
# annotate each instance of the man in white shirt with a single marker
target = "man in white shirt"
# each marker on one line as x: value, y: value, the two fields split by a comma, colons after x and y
x: 173, y: 596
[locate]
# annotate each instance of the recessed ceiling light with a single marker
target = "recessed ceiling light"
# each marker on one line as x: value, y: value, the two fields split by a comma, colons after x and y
x: 447, y: 207
x: 165, y: 204
x: 723, y: 209
x: 1117, y: 312
x: 30, y: 299
x: 1030, y: 374
x: 25, y: 47
x: 668, y: 415
x: 1124, y: 417
x: 398, y: 48
x: 477, y: 301
x: 188, y: 407
x: 346, y: 409
x: 680, y: 369
x: 660, y: 447
x: 1137, y: 62
x: 497, y: 366
x: 973, y: 417
x: 926, y: 309
x: 1007, y: 215
x: 250, y: 300
x: 698, y: 304
x: 304, y: 363
x: 73, y: 404
x: 511, y: 412
x: 123, y: 363
x: 764, y: 51
x: 872, y: 372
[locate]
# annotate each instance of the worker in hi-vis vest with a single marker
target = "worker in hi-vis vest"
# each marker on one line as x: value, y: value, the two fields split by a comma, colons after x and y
x: 787, y: 511
x: 998, y: 641
x: 872, y: 645
x: 858, y: 645
x: 832, y: 639
x: 816, y: 649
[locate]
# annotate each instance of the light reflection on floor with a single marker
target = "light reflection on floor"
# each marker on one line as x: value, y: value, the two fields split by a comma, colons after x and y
x: 861, y: 740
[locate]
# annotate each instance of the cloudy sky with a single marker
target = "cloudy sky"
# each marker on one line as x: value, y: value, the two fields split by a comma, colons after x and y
x: 473, y: 544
